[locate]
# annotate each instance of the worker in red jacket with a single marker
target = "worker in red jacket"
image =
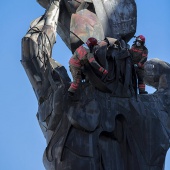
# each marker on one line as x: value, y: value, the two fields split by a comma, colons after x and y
x: 80, y: 56
x: 139, y: 54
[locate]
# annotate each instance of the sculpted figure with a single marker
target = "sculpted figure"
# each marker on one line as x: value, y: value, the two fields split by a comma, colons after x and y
x: 108, y: 126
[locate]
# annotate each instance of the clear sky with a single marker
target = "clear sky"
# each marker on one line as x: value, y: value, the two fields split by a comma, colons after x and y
x: 21, y: 141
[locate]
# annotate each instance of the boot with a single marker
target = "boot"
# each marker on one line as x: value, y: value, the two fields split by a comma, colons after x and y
x: 142, y: 91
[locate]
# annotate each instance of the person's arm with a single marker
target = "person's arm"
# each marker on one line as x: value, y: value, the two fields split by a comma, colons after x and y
x: 144, y: 58
x: 95, y: 64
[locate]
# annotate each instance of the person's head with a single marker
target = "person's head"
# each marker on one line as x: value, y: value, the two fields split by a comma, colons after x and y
x: 140, y: 40
x: 91, y: 42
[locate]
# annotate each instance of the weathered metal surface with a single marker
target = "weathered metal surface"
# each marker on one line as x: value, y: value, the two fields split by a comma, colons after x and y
x: 80, y: 27
x: 97, y: 130
x: 117, y: 18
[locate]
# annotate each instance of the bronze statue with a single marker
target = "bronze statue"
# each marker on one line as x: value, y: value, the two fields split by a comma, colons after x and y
x: 106, y: 126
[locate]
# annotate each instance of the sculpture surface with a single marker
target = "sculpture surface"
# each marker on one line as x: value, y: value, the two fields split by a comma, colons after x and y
x: 106, y: 125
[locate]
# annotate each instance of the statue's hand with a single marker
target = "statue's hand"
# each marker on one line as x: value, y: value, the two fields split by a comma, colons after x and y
x: 46, y: 3
x: 156, y: 74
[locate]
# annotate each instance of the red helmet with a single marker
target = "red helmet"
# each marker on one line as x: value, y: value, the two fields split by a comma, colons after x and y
x: 141, y: 38
x: 91, y: 41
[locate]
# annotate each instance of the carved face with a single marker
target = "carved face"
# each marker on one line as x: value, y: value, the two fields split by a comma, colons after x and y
x: 153, y: 70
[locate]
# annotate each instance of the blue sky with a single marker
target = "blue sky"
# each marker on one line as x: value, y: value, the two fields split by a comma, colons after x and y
x: 21, y: 142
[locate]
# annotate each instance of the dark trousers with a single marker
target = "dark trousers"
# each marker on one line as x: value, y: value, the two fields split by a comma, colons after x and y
x: 76, y: 74
x: 140, y: 75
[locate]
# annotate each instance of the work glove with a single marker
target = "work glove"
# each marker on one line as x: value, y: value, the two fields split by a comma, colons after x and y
x: 104, y: 75
x: 135, y: 65
x: 105, y: 72
x: 139, y: 65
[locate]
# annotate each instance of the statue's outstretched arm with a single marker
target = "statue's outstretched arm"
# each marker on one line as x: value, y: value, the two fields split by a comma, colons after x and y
x: 37, y: 47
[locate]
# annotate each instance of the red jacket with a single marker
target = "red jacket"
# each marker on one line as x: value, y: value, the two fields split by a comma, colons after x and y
x: 139, y: 55
x: 83, y: 54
